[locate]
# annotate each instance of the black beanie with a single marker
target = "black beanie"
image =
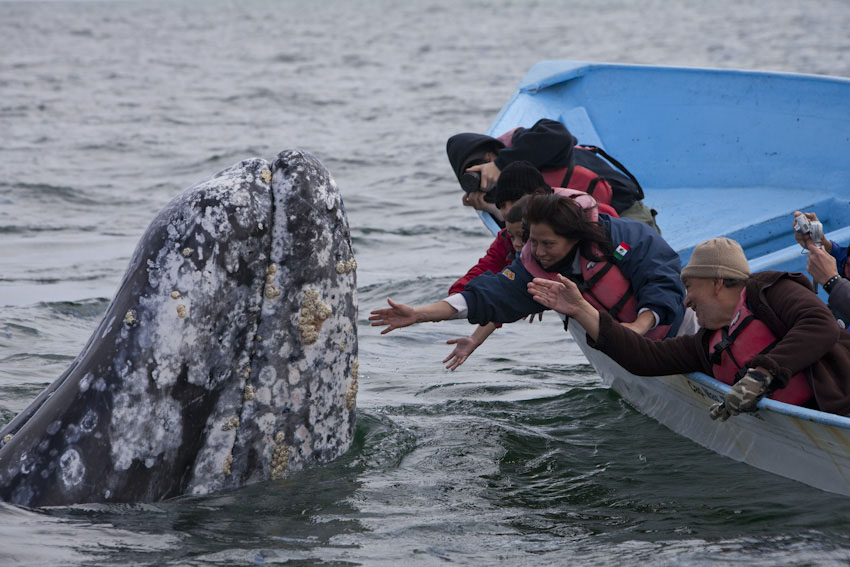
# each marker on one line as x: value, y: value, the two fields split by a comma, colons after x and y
x: 464, y: 148
x: 516, y: 180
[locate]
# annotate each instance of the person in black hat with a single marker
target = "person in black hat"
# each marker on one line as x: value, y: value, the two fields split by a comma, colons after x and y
x: 478, y: 161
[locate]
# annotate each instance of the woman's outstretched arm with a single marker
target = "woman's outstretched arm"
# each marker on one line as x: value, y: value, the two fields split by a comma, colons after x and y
x: 399, y: 315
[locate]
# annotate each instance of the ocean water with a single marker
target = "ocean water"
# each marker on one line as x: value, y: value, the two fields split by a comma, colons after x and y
x: 108, y: 109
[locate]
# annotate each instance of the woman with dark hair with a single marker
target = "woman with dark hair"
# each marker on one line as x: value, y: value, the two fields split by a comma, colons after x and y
x: 636, y: 280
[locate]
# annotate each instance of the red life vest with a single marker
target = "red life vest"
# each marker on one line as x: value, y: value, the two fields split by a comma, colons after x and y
x: 733, y: 347
x: 574, y: 177
x: 603, y: 284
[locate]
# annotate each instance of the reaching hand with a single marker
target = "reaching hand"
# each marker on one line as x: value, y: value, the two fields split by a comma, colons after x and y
x: 744, y: 395
x: 475, y: 200
x: 489, y: 174
x: 804, y: 239
x: 464, y: 347
x: 820, y: 265
x: 397, y: 316
x: 563, y: 296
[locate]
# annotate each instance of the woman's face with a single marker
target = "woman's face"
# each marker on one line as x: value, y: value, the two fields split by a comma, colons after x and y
x: 548, y: 247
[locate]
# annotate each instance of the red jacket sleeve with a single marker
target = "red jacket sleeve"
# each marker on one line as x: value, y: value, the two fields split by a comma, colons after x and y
x: 495, y: 260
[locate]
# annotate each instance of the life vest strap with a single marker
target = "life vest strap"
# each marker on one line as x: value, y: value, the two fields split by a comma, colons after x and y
x: 726, y: 340
x: 591, y: 187
x: 568, y: 175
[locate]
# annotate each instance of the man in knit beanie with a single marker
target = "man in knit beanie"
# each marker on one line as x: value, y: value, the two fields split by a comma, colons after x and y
x: 763, y: 333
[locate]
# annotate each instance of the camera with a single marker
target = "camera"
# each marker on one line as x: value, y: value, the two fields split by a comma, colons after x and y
x: 813, y: 228
x: 471, y: 181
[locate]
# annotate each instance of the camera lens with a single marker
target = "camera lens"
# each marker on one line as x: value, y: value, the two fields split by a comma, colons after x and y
x: 471, y: 181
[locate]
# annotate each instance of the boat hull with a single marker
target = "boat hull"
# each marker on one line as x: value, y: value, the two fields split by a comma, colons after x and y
x: 804, y: 445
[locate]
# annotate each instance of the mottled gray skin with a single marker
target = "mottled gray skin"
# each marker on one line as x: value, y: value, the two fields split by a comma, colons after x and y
x: 227, y: 357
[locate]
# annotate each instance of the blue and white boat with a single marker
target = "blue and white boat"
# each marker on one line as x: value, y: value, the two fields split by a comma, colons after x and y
x: 718, y: 153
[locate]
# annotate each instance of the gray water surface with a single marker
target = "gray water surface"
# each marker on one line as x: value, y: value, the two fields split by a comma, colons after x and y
x: 109, y: 109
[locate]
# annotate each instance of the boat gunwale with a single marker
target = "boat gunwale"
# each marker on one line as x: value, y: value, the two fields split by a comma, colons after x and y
x: 531, y: 84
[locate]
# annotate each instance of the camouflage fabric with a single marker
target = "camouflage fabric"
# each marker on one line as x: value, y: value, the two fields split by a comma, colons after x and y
x: 743, y: 396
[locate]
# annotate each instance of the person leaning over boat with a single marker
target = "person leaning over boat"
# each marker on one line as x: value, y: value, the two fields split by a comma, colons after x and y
x: 519, y: 179
x: 550, y: 147
x: 765, y: 333
x: 639, y: 280
x: 828, y: 266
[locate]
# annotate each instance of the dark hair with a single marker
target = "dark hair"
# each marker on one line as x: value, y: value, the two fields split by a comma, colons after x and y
x: 517, y: 212
x: 566, y: 218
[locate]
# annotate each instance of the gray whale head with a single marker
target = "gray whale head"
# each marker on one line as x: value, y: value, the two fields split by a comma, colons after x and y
x: 228, y: 355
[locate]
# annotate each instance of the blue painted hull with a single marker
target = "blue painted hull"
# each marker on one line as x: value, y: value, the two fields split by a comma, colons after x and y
x: 718, y: 153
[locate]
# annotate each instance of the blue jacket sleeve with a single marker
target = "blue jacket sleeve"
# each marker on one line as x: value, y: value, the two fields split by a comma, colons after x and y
x: 500, y: 298
x: 651, y: 266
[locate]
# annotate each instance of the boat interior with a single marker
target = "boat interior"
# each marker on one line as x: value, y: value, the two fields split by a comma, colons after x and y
x: 685, y: 133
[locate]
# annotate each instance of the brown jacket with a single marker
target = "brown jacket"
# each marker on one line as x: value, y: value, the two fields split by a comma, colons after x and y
x: 809, y: 339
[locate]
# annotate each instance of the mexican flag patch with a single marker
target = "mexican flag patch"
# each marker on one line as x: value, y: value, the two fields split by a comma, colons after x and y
x: 621, y: 251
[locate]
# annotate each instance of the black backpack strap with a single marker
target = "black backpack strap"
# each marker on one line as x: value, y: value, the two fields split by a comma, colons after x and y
x: 599, y: 151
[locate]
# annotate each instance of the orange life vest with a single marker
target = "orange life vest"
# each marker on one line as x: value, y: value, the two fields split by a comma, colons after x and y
x: 733, y: 347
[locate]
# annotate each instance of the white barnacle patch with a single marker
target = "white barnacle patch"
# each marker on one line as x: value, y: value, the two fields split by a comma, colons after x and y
x: 225, y: 467
x: 346, y: 266
x: 54, y: 427
x: 248, y: 394
x: 72, y: 468
x: 230, y: 424
x: 181, y: 311
x: 85, y: 381
x: 187, y: 252
x: 89, y: 421
x: 175, y: 294
x: 314, y: 311
x: 266, y: 174
x: 279, y: 457
x: 351, y: 393
x: 272, y: 291
x: 130, y: 318
x: 141, y: 426
x: 7, y: 438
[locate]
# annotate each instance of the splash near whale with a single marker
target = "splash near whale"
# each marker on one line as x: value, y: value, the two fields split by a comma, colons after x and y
x: 227, y: 357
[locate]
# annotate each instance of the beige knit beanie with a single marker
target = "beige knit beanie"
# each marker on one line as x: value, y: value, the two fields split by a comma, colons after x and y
x: 717, y: 258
